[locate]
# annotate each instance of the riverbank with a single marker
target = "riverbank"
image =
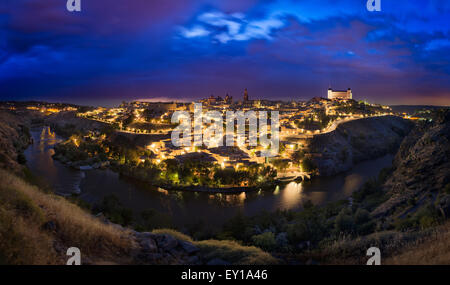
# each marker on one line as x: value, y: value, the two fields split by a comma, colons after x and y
x: 220, y: 190
x: 103, y: 165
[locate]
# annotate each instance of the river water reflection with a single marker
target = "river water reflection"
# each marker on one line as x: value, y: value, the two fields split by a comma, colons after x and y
x: 187, y: 207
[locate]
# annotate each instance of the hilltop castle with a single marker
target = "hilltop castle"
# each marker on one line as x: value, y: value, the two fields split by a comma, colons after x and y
x: 338, y: 94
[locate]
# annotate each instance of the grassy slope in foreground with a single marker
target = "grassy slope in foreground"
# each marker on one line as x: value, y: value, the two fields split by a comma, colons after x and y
x: 37, y: 228
x: 26, y: 237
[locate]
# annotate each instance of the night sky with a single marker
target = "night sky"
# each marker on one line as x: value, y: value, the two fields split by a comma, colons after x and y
x: 181, y: 50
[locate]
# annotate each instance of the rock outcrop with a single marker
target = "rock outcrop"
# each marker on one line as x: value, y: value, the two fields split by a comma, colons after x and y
x: 165, y: 249
x: 422, y: 166
x: 14, y: 138
x: 356, y: 141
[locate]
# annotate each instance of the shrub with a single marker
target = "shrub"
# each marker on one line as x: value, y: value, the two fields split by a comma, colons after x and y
x: 366, y: 228
x: 405, y: 224
x: 152, y: 219
x: 427, y: 222
x: 427, y: 216
x: 236, y: 226
x: 309, y: 225
x: 114, y: 211
x: 344, y: 222
x: 361, y: 216
x: 265, y: 241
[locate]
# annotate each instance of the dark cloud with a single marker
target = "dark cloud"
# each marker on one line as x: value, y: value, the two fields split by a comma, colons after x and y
x: 190, y: 49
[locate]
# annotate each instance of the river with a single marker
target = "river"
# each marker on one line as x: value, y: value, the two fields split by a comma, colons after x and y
x: 183, y: 207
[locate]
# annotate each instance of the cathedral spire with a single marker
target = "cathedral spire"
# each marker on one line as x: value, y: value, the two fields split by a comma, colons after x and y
x: 245, y: 95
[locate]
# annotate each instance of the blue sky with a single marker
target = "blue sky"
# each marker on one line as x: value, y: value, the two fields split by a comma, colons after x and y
x: 182, y: 50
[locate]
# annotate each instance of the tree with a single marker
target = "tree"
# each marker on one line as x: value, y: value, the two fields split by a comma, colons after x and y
x: 309, y: 225
x: 308, y: 165
x: 114, y: 210
x: 236, y: 226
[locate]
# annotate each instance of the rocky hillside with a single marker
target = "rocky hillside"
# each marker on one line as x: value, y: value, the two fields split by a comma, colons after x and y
x: 14, y: 138
x: 67, y: 123
x: 356, y: 141
x: 421, y: 170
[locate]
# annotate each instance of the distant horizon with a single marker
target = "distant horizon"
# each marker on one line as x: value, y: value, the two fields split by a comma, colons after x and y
x: 117, y: 102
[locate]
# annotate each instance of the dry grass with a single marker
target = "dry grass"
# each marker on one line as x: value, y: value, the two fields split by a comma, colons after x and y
x: 228, y: 250
x: 433, y: 250
x: 352, y: 251
x: 74, y: 227
x: 23, y: 243
x: 174, y: 233
x: 425, y: 247
x: 234, y: 252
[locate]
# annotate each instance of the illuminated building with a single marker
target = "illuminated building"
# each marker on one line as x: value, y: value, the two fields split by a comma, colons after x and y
x: 339, y: 94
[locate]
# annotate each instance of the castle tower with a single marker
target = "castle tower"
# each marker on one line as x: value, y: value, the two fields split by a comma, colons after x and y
x: 349, y: 93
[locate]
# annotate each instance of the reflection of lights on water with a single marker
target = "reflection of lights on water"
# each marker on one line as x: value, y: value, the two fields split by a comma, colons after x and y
x: 352, y: 183
x: 242, y: 197
x: 277, y: 190
x: 164, y: 191
x: 291, y: 195
x: 235, y: 199
x: 231, y: 199
x: 178, y: 196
